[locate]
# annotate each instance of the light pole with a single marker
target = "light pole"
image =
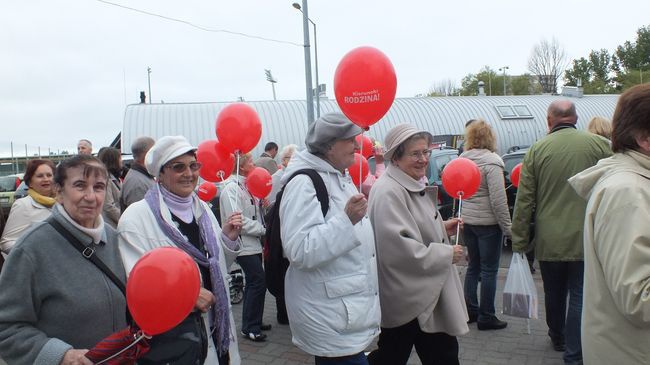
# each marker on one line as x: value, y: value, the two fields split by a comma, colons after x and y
x: 272, y: 80
x: 149, y: 82
x: 308, y: 85
x: 504, y: 68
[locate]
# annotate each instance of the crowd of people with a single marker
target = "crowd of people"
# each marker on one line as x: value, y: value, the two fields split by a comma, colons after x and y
x: 379, y: 263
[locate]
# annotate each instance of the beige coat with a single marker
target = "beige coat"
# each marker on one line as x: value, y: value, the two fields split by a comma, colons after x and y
x: 616, y: 309
x: 416, y: 276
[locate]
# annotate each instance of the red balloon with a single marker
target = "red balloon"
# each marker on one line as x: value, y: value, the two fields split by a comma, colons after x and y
x: 461, y: 178
x: 207, y: 191
x: 162, y: 289
x: 360, y: 162
x: 515, y: 175
x: 238, y: 127
x: 365, y: 85
x: 217, y: 161
x: 366, y: 142
x: 259, y: 183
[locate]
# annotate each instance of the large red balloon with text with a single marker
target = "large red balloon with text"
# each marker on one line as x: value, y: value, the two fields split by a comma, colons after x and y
x: 162, y: 289
x: 515, y: 175
x: 365, y: 85
x: 259, y: 182
x: 359, y: 169
x: 238, y: 128
x: 217, y: 161
x: 366, y: 143
x: 207, y: 191
x: 461, y: 178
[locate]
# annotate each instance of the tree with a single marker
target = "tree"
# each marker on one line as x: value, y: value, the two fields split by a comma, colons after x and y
x: 493, y: 83
x: 593, y: 73
x: 631, y: 61
x: 547, y: 61
x: 445, y: 87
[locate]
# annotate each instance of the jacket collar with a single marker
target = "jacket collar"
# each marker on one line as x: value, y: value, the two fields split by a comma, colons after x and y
x: 561, y: 126
x: 403, y: 179
x: 141, y: 169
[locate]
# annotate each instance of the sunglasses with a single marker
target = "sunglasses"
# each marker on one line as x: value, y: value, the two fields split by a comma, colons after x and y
x: 180, y: 167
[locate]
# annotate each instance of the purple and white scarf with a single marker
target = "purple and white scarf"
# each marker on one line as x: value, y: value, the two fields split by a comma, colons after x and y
x: 220, y: 313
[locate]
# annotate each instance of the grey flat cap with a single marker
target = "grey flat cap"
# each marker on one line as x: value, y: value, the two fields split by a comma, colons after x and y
x: 328, y: 129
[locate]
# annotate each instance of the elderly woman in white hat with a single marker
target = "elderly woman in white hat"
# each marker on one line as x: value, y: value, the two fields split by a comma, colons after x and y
x: 171, y: 214
x: 421, y: 295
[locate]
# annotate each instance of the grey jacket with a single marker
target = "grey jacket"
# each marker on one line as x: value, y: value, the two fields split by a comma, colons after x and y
x: 135, y: 185
x: 489, y: 205
x: 52, y: 299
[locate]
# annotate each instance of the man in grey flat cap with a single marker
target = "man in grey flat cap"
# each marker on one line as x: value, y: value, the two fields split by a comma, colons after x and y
x: 331, y: 284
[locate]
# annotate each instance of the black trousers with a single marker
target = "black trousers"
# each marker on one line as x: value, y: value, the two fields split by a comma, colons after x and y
x: 395, y: 345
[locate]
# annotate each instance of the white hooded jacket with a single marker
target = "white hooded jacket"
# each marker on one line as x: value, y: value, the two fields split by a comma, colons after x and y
x: 331, y: 286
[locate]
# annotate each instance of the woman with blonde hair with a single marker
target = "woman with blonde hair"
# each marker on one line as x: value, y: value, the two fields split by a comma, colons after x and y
x: 235, y: 197
x: 601, y: 127
x: 487, y: 219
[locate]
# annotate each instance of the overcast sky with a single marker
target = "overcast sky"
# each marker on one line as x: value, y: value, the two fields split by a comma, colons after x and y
x: 69, y: 67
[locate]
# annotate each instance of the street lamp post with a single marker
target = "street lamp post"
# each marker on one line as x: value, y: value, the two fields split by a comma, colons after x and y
x: 308, y: 85
x: 299, y: 8
x: 272, y: 80
x: 149, y: 82
x: 504, y: 68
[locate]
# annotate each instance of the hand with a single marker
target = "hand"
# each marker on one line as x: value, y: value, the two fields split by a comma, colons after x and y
x: 450, y: 225
x: 356, y: 208
x: 232, y: 227
x: 205, y: 301
x: 75, y: 357
x: 459, y: 252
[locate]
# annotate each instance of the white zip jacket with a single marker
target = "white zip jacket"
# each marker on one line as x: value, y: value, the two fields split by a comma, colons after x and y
x: 138, y: 233
x: 331, y: 286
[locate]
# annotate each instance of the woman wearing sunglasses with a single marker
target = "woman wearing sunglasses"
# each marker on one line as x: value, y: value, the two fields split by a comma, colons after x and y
x: 171, y: 214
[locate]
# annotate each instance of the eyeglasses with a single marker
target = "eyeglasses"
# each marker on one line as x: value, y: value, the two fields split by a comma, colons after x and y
x: 420, y: 155
x: 180, y: 167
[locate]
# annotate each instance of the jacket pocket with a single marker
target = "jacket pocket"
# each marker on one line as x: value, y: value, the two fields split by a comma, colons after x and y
x: 355, y: 303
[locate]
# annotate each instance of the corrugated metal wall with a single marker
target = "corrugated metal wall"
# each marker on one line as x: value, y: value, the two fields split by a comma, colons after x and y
x: 285, y: 122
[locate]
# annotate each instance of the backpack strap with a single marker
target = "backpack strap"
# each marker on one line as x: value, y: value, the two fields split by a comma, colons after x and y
x: 319, y: 185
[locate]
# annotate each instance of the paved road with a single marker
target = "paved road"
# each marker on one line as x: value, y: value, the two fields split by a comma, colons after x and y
x: 512, y: 345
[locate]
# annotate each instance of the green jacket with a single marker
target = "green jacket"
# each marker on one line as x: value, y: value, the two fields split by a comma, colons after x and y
x: 546, y: 198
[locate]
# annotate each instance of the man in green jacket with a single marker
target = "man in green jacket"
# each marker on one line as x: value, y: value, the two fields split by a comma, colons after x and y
x: 546, y: 198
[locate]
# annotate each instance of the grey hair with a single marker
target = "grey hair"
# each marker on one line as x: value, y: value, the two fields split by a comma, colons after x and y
x: 140, y: 146
x: 399, y: 151
x: 288, y: 149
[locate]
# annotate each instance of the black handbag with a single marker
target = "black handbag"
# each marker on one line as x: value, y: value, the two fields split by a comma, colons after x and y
x: 185, y: 344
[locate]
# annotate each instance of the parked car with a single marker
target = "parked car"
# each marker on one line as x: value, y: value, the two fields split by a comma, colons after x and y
x: 440, y: 157
x: 514, y: 156
x: 8, y: 186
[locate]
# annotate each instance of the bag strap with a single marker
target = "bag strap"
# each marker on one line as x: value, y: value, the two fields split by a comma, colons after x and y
x: 319, y: 185
x: 88, y: 253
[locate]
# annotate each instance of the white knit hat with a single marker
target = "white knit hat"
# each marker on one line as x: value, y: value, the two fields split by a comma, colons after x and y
x: 164, y: 150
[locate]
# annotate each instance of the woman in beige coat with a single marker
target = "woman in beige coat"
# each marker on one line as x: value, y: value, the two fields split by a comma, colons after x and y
x: 420, y: 292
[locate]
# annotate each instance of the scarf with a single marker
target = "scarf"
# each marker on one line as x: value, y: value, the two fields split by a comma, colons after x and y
x: 43, y: 200
x: 219, y: 313
x: 181, y: 207
x: 96, y: 233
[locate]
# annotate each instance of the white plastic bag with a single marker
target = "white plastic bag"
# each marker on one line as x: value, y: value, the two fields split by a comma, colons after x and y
x: 520, y: 293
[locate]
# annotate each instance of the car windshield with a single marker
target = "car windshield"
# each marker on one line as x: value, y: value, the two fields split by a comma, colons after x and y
x: 511, y: 161
x: 7, y: 183
x: 437, y: 164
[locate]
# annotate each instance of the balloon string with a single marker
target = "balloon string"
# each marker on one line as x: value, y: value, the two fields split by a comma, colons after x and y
x: 237, y: 177
x: 360, y: 162
x: 460, y: 208
x: 138, y: 339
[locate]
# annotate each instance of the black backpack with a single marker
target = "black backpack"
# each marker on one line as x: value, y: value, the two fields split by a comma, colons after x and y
x: 275, y: 264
